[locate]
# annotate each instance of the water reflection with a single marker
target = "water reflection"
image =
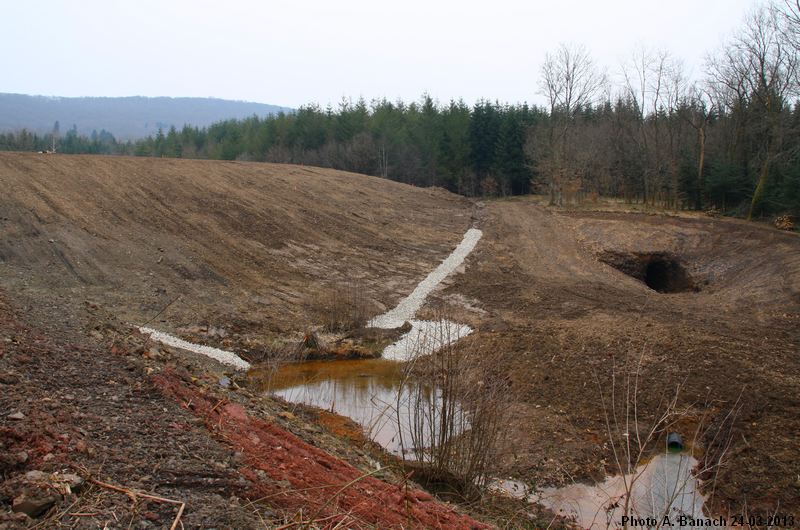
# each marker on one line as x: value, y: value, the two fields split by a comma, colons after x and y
x: 370, y: 392
x: 665, y: 486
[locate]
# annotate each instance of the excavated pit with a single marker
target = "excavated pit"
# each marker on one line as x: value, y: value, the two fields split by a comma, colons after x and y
x: 660, y: 271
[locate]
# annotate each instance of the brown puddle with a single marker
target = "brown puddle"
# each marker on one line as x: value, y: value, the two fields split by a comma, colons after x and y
x: 373, y: 393
x: 663, y: 489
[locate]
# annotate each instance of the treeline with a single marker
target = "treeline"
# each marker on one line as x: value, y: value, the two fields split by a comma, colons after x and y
x: 102, y: 143
x: 470, y: 150
x: 730, y: 141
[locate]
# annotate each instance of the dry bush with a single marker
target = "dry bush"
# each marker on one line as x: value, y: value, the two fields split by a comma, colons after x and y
x: 636, y: 432
x: 345, y: 307
x: 270, y: 357
x: 458, y: 398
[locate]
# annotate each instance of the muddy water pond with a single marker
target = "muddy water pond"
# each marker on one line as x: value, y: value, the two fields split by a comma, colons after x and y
x: 395, y: 411
x: 373, y: 393
x: 377, y: 396
x: 663, y: 487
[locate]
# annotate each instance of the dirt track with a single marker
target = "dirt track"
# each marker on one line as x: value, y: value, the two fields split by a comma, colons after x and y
x: 251, y: 248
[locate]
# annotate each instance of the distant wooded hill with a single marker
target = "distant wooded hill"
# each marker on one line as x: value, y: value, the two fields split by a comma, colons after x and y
x: 124, y: 117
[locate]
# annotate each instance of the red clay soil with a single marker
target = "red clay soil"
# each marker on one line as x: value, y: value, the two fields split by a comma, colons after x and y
x: 322, y: 486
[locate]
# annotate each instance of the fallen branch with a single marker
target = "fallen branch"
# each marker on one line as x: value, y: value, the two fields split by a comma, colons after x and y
x: 135, y: 494
x: 221, y: 401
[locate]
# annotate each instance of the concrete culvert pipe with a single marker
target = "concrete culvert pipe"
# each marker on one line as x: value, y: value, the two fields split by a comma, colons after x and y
x: 674, y: 443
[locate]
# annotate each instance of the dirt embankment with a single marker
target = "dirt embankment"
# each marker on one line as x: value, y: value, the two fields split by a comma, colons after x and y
x: 67, y: 406
x: 128, y: 414
x: 234, y: 255
x: 565, y: 294
x: 250, y: 248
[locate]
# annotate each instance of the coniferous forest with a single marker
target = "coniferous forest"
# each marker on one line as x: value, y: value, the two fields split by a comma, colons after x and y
x: 729, y: 141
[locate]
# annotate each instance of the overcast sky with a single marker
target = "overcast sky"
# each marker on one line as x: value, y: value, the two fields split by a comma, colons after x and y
x: 294, y: 52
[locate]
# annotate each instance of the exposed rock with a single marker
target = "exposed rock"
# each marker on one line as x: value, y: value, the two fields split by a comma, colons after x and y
x: 36, y: 476
x: 16, y: 416
x: 65, y: 482
x: 33, y: 505
x: 286, y: 415
x: 217, y: 332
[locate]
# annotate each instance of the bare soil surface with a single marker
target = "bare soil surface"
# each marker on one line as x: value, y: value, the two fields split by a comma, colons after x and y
x: 243, y: 256
x: 235, y: 255
x: 557, y: 302
x: 91, y: 412
x: 251, y: 248
x: 152, y: 421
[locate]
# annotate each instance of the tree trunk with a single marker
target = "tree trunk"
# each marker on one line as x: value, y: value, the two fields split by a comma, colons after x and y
x: 762, y: 178
x: 701, y: 133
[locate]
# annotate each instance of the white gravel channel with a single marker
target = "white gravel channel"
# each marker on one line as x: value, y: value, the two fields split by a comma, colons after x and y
x: 426, y: 336
x: 225, y: 357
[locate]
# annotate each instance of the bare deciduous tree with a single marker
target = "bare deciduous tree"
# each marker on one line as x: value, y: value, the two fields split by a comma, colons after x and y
x: 789, y: 15
x: 570, y: 80
x: 697, y: 110
x: 655, y: 83
x: 758, y: 70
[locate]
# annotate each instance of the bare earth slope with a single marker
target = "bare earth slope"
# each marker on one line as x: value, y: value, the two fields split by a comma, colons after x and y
x: 566, y: 316
x: 244, y: 243
x: 115, y: 421
x: 91, y: 245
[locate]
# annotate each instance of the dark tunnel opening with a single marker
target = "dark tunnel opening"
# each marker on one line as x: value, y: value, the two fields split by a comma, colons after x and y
x: 667, y: 276
x: 660, y: 272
